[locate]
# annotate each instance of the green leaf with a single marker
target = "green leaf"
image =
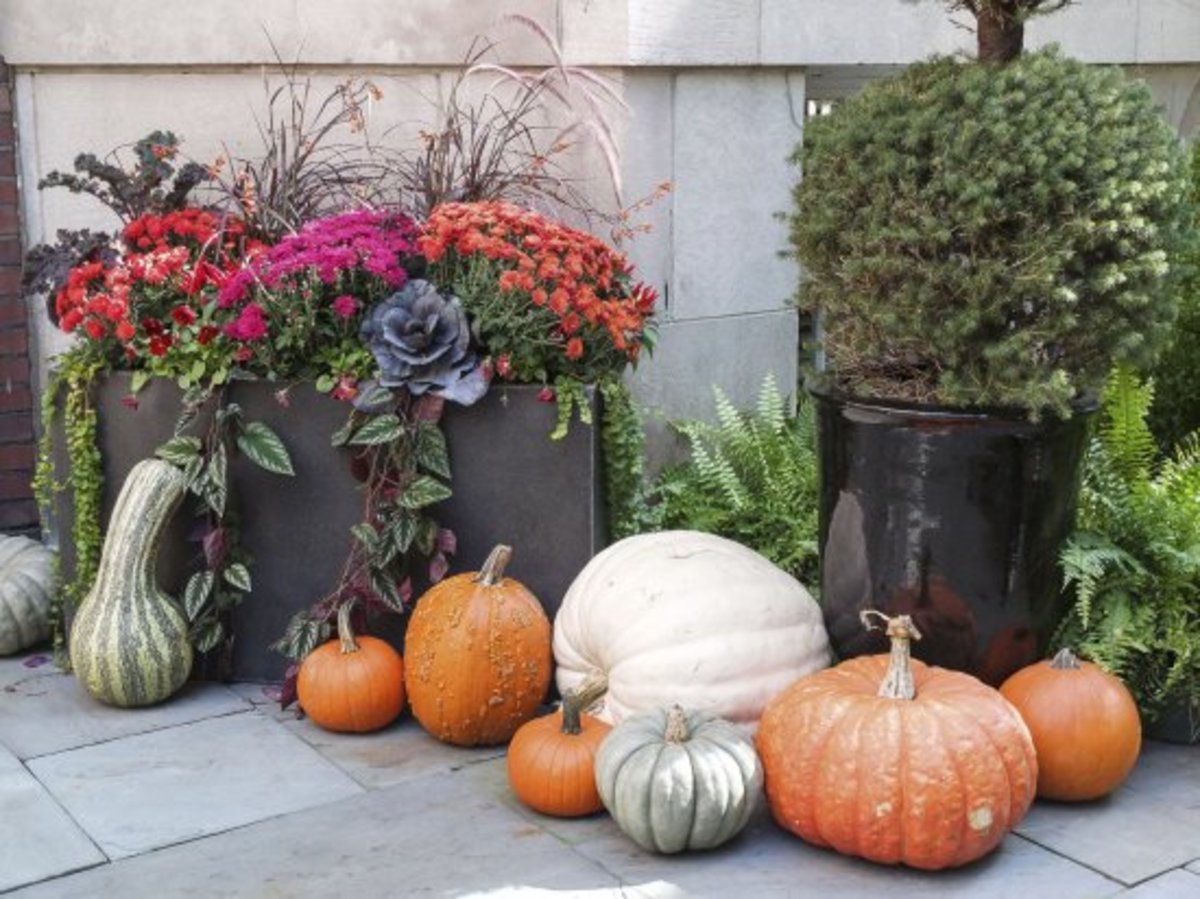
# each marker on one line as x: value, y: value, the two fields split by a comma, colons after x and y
x: 217, y: 485
x: 380, y: 429
x: 196, y: 593
x: 431, y: 450
x: 424, y: 491
x: 238, y: 575
x: 384, y: 585
x: 179, y: 450
x: 263, y: 447
x: 192, y: 471
x: 209, y: 635
x: 366, y: 535
x: 229, y: 411
x: 404, y: 530
x: 303, y: 635
x: 138, y: 381
x: 342, y: 435
x: 325, y: 383
x: 374, y: 396
x: 427, y: 531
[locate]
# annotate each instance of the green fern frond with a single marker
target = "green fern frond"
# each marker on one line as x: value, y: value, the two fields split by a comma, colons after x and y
x: 1123, y: 430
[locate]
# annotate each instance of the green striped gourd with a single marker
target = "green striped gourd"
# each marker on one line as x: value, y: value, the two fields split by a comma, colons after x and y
x: 27, y: 583
x: 129, y: 642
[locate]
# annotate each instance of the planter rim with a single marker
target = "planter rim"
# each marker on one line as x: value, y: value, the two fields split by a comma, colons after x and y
x: 822, y: 390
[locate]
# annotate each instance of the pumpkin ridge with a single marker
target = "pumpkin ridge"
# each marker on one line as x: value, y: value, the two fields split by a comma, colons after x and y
x: 1009, y: 786
x: 852, y: 705
x: 964, y: 790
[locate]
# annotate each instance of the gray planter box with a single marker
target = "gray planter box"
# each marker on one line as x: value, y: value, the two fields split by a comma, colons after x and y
x: 512, y: 484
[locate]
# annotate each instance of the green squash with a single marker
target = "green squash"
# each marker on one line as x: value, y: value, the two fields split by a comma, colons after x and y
x: 676, y: 780
x: 28, y: 580
x: 129, y: 640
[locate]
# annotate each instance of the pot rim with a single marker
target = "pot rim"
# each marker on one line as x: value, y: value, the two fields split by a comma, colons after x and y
x: 822, y: 389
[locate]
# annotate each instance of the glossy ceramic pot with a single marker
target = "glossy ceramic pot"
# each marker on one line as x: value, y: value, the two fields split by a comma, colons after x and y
x: 955, y: 517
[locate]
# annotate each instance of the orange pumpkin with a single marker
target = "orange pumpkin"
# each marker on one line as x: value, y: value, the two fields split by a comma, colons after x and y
x: 895, y: 761
x: 477, y: 656
x: 352, y: 684
x: 1084, y: 722
x: 551, y: 760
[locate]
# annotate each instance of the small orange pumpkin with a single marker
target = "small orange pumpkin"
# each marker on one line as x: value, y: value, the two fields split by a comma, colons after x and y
x: 1084, y: 722
x: 895, y: 761
x: 552, y: 759
x: 477, y: 656
x: 351, y: 684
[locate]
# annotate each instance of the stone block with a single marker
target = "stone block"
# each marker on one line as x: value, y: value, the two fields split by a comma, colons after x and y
x: 153, y: 790
x: 1177, y: 884
x: 50, y: 713
x: 734, y: 132
x: 38, y: 840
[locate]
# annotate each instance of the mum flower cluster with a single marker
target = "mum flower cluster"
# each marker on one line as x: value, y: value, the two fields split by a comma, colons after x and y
x: 548, y: 300
x: 149, y: 299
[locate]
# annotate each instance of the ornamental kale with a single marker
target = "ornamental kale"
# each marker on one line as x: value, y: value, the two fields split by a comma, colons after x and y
x: 421, y: 340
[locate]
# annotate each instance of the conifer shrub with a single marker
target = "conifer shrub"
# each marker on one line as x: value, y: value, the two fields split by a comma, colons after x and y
x: 990, y: 235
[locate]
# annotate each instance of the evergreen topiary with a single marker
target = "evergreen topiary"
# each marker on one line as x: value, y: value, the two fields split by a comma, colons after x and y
x: 990, y: 235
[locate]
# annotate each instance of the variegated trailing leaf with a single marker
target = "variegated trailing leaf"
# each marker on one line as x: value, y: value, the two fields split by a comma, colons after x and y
x: 366, y: 535
x: 263, y: 447
x: 432, y: 454
x: 238, y: 575
x: 380, y: 429
x: 304, y: 634
x: 424, y: 491
x: 209, y: 636
x: 404, y: 530
x: 343, y: 434
x: 181, y: 451
x: 196, y: 593
x: 216, y: 491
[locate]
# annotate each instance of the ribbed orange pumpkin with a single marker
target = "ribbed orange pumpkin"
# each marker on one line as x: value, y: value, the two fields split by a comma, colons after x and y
x: 552, y: 759
x: 1085, y: 726
x: 895, y: 761
x: 352, y: 684
x: 477, y: 656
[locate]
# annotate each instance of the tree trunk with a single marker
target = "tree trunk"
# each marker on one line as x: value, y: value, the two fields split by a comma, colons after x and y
x: 1000, y: 33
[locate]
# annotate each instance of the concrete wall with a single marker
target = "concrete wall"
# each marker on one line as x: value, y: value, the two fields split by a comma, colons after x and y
x: 716, y: 90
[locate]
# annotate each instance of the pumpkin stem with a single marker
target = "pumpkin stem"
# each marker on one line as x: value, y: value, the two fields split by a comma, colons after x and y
x: 492, y: 571
x: 898, y: 684
x: 677, y: 729
x: 1065, y: 659
x: 579, y: 700
x: 345, y: 629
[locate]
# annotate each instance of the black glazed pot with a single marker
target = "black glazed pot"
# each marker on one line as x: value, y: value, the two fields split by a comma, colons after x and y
x: 953, y: 517
x: 512, y: 484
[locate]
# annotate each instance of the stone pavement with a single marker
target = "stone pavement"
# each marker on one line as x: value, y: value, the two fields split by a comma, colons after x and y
x: 218, y: 793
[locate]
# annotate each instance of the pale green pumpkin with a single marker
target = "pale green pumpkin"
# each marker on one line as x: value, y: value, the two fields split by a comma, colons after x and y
x: 129, y: 641
x: 27, y: 584
x: 676, y: 780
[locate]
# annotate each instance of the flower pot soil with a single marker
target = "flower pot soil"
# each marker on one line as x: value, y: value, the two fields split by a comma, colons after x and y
x: 954, y: 518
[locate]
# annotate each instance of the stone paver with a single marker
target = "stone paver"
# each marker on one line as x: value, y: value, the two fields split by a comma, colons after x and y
x: 1177, y: 884
x: 38, y: 839
x: 142, y: 792
x: 53, y: 713
x: 24, y: 667
x: 765, y: 862
x: 1150, y: 825
x: 437, y: 835
x: 399, y: 753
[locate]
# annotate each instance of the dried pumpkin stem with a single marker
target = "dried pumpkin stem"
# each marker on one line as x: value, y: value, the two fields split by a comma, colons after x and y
x: 677, y: 729
x: 579, y: 700
x: 1065, y: 659
x: 345, y: 629
x: 492, y: 571
x: 898, y: 683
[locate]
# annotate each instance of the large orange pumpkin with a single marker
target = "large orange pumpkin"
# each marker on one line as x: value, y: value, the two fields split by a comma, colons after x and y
x: 352, y: 684
x: 552, y: 759
x: 1084, y: 722
x: 895, y: 761
x: 477, y: 656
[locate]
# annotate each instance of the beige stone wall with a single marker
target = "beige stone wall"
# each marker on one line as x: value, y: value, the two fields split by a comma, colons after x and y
x: 716, y: 92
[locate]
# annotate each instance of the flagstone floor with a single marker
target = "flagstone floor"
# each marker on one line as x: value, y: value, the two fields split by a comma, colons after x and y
x: 217, y: 793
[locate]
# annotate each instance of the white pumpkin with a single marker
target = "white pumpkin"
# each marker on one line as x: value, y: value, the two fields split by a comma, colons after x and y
x: 689, y: 618
x: 27, y: 582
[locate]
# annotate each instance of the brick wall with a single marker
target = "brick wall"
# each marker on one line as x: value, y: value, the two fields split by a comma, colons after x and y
x: 17, y: 509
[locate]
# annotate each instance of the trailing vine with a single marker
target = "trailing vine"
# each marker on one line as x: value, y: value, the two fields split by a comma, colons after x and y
x: 71, y: 384
x: 623, y: 441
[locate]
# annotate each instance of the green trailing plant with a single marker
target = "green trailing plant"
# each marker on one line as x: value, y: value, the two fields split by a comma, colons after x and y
x: 69, y: 392
x: 1176, y: 409
x: 1133, y: 566
x: 221, y: 583
x: 623, y: 443
x: 751, y: 477
x: 990, y: 235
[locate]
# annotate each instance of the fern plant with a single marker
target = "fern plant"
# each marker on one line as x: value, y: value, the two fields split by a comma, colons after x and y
x: 751, y: 477
x: 1133, y: 566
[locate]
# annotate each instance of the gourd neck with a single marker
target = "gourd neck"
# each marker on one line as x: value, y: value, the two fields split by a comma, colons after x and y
x: 152, y: 493
x: 346, y: 629
x: 1065, y: 660
x: 579, y: 700
x: 677, y: 728
x: 492, y: 571
x: 898, y: 682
